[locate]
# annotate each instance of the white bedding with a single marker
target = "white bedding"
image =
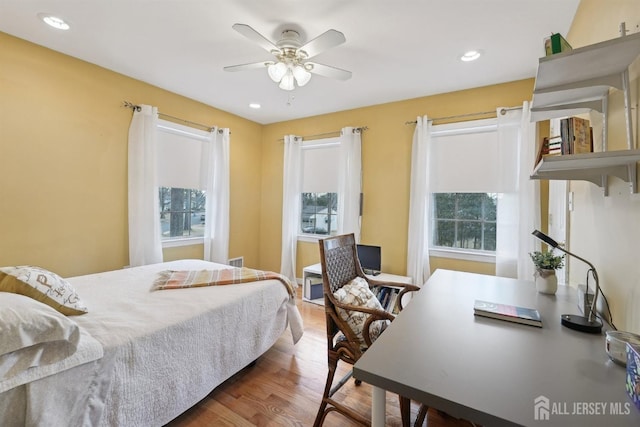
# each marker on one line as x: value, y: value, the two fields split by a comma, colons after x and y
x: 163, y: 350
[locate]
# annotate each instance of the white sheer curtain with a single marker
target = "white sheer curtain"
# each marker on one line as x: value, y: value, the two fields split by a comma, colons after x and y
x: 144, y: 211
x: 292, y: 184
x: 518, y: 210
x: 215, y: 171
x: 418, y: 267
x: 350, y: 181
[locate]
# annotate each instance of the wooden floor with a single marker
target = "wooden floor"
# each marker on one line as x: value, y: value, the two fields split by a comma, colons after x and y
x: 284, y: 387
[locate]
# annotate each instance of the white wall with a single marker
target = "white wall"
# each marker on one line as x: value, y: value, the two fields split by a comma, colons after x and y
x: 606, y: 230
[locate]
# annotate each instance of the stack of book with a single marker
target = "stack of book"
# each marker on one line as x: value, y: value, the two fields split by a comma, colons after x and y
x: 388, y: 297
x: 576, y: 136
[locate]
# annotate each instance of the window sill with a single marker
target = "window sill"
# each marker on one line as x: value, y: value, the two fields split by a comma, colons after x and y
x: 312, y: 238
x: 174, y: 243
x: 463, y: 255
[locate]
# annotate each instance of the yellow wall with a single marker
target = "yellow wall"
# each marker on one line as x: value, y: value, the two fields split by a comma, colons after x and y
x: 63, y: 147
x: 606, y: 230
x: 386, y: 154
x: 63, y: 141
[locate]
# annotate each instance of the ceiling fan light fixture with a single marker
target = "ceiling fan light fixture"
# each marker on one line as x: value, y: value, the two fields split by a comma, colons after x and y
x: 287, y: 82
x: 277, y: 71
x: 301, y: 75
x: 290, y: 69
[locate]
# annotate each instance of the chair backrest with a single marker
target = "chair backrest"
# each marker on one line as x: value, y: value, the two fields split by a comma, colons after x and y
x: 339, y: 260
x: 340, y: 265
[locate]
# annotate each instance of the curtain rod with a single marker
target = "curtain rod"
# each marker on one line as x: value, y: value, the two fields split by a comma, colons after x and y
x: 137, y: 108
x: 503, y: 111
x: 326, y: 134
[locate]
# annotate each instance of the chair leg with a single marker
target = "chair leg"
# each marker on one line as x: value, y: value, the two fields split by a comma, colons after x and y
x: 333, y: 363
x: 405, y: 411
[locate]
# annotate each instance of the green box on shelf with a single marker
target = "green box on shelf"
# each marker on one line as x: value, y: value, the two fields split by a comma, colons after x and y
x: 633, y: 373
x: 556, y: 44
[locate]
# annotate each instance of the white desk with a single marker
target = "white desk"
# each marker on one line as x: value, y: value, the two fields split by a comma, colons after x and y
x: 315, y: 271
x: 492, y: 372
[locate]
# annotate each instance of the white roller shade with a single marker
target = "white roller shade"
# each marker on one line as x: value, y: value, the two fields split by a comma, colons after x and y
x: 180, y: 151
x: 320, y: 166
x: 470, y: 158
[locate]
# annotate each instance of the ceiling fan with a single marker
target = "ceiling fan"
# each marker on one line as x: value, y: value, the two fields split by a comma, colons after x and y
x: 291, y: 65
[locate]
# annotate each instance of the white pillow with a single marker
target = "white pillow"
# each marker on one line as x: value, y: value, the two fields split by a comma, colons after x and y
x: 357, y: 293
x: 33, y: 334
x: 42, y: 285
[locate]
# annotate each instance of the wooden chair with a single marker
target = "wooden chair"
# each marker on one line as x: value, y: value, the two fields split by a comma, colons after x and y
x: 340, y: 265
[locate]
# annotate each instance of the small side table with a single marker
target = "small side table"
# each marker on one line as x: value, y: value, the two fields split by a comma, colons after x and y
x: 312, y: 278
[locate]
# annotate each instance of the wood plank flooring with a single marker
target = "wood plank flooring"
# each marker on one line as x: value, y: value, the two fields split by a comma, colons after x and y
x: 284, y: 387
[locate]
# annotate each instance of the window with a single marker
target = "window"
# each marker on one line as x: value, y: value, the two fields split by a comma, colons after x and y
x: 319, y: 197
x: 181, y: 193
x: 319, y: 213
x: 182, y: 212
x: 470, y: 166
x: 465, y: 221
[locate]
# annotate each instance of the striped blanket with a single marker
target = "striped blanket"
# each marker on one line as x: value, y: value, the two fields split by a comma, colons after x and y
x: 171, y: 279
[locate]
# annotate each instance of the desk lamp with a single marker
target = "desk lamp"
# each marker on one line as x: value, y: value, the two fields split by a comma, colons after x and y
x: 588, y: 324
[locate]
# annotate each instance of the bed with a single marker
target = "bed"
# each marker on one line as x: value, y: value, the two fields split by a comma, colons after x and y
x: 147, y: 356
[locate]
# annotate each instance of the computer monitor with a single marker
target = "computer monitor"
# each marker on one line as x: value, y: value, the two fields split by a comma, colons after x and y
x: 370, y: 258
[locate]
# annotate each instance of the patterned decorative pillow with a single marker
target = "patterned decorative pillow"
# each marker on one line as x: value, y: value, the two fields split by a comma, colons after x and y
x: 44, y: 286
x: 357, y: 293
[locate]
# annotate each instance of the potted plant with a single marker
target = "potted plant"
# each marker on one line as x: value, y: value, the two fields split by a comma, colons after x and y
x: 546, y: 265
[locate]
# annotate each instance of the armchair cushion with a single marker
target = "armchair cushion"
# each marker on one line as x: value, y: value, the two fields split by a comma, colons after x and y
x: 357, y: 293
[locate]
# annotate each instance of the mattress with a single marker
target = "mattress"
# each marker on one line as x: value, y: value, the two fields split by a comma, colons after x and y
x: 163, y: 350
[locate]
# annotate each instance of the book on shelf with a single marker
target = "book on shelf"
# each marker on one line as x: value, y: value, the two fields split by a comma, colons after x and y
x: 582, y: 141
x: 556, y: 44
x: 550, y: 146
x: 510, y: 313
x: 577, y: 135
x: 387, y: 297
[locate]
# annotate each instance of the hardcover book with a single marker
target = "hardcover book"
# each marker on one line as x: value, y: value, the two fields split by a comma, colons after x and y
x: 510, y: 313
x: 581, y: 136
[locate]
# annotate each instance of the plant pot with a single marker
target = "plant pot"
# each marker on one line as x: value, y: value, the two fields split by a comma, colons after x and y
x: 546, y: 281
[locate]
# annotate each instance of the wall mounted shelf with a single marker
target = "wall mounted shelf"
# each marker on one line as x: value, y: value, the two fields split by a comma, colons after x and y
x: 592, y: 167
x: 576, y: 82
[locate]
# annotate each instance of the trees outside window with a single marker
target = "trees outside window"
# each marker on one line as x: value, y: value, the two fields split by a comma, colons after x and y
x: 182, y: 212
x: 465, y: 221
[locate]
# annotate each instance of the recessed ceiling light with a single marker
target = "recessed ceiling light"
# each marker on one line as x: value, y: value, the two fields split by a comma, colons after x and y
x: 54, y: 21
x: 254, y: 105
x: 471, y: 55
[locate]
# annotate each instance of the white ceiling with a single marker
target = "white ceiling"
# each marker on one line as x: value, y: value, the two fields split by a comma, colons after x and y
x: 396, y: 49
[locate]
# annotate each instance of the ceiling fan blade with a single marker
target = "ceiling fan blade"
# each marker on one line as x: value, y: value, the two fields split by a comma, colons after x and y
x: 243, y: 67
x: 324, y: 41
x: 255, y: 36
x: 329, y: 71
